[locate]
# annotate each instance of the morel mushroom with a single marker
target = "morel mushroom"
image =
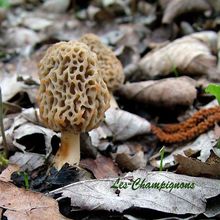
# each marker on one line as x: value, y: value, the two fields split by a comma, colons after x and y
x: 109, y: 66
x: 72, y: 97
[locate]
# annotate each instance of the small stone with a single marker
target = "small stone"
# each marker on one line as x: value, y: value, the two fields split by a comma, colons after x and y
x: 56, y: 6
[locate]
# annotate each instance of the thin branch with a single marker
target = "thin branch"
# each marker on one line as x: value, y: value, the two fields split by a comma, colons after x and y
x: 2, y: 125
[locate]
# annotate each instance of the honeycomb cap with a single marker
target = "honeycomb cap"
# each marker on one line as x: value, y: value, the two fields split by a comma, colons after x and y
x: 72, y: 94
x: 110, y: 67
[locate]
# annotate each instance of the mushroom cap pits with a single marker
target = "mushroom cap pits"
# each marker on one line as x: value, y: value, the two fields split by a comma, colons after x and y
x: 72, y: 94
x: 110, y: 67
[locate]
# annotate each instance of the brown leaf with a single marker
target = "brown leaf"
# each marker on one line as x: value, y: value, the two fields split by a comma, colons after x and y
x: 6, y: 173
x: 102, y: 167
x: 131, y: 163
x: 161, y: 92
x: 194, y: 167
x: 87, y: 148
x: 176, y: 8
x: 130, y: 156
x: 22, y: 204
x: 187, y: 55
x: 162, y: 35
x: 213, y: 159
x: 13, y: 215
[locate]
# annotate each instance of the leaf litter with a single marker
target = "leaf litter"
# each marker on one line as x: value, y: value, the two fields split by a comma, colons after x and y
x: 30, y: 205
x: 158, y: 44
x: 99, y: 194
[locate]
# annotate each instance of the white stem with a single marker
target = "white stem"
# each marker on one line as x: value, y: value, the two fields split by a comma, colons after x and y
x: 69, y: 151
x: 113, y: 103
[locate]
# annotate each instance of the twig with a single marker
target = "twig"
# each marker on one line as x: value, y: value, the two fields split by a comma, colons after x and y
x: 2, y: 126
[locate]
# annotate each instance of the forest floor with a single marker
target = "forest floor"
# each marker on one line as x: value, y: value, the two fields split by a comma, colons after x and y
x: 157, y: 154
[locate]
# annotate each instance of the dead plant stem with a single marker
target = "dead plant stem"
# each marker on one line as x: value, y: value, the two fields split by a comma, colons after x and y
x: 2, y: 126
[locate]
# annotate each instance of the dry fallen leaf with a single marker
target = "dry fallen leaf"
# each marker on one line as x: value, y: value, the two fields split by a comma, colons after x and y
x: 101, y: 167
x: 130, y: 156
x: 99, y: 137
x: 27, y: 160
x: 28, y: 65
x: 28, y: 129
x: 131, y: 163
x: 203, y: 144
x: 213, y: 208
x: 98, y: 194
x: 194, y: 167
x: 168, y: 93
x: 11, y: 85
x: 119, y: 125
x: 125, y: 125
x: 28, y: 205
x: 177, y: 7
x: 24, y: 126
x: 187, y: 55
x: 88, y: 150
x: 21, y: 37
x: 128, y: 57
x: 6, y: 173
x: 36, y: 23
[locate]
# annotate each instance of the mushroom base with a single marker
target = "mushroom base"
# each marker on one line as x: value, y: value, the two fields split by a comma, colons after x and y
x: 69, y: 151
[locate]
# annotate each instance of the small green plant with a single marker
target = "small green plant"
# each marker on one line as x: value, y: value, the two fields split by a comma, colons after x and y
x: 25, y: 177
x: 218, y: 144
x: 214, y: 90
x: 4, y: 4
x: 175, y: 71
x: 174, y: 67
x: 26, y: 181
x: 161, y: 157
